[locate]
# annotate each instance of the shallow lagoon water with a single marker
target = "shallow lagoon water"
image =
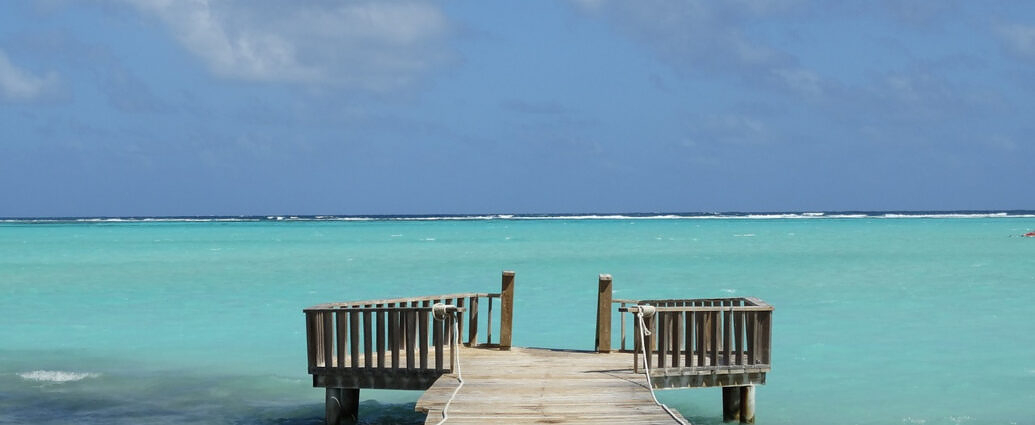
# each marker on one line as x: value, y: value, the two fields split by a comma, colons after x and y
x: 878, y: 320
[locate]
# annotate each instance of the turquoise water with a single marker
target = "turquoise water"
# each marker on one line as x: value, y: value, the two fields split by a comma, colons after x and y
x: 878, y: 320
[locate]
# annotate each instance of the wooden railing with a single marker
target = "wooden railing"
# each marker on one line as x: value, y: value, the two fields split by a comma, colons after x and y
x: 396, y: 343
x: 692, y: 342
x: 704, y: 335
x: 390, y: 343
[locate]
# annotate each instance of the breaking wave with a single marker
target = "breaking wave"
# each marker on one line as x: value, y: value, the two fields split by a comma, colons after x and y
x: 58, y: 376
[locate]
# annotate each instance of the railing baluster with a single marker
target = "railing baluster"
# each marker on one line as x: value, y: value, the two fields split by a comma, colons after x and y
x: 662, y: 338
x: 637, y: 346
x: 472, y: 327
x: 381, y: 317
x: 311, y: 339
x: 394, y: 335
x: 328, y: 340
x: 647, y: 350
x: 341, y: 321
x: 716, y: 336
x: 368, y: 346
x: 354, y: 338
x: 621, y: 318
x: 452, y: 347
x: 688, y: 347
x: 701, y: 317
x: 767, y: 336
x: 676, y: 322
x: 460, y: 320
x: 488, y: 327
x: 727, y: 335
x: 422, y: 330
x: 749, y: 320
x: 449, y: 329
x: 411, y: 338
x: 738, y: 328
x: 436, y: 326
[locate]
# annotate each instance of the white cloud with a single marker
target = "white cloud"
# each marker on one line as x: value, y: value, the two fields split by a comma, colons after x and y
x: 373, y: 45
x: 801, y: 80
x: 17, y: 84
x: 1019, y: 39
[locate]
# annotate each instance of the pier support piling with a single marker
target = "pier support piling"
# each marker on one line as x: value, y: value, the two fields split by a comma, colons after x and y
x: 506, y: 309
x: 731, y: 404
x: 342, y: 405
x: 738, y: 404
x: 747, y: 404
x: 604, y: 297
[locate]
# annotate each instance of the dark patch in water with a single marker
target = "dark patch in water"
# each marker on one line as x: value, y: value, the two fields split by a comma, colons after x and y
x: 371, y: 412
x: 178, y: 398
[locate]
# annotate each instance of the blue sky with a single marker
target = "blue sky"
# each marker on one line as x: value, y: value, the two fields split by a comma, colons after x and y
x: 155, y: 107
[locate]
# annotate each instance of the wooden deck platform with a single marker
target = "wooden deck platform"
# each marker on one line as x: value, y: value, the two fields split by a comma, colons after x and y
x: 539, y: 386
x: 414, y: 343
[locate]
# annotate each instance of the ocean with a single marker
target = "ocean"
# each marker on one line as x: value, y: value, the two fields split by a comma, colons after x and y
x: 881, y: 318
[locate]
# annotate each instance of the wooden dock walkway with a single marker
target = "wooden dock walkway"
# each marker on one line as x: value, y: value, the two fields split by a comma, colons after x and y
x: 544, y: 386
x: 419, y: 343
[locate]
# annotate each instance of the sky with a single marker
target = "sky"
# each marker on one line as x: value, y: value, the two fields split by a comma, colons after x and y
x: 191, y: 107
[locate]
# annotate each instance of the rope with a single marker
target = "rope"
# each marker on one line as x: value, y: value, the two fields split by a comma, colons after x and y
x: 646, y: 369
x: 459, y: 375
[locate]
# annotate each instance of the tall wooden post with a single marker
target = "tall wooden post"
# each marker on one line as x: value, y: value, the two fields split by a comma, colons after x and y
x: 506, y: 309
x: 472, y: 328
x: 332, y: 409
x: 747, y: 404
x: 738, y: 404
x: 342, y: 404
x: 604, y: 297
x: 731, y: 404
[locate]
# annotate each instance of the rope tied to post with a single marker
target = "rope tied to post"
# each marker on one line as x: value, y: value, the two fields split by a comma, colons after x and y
x: 649, y: 311
x: 440, y: 311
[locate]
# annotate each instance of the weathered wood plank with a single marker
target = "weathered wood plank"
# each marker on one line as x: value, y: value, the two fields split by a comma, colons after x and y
x: 738, y: 327
x: 310, y: 339
x: 436, y: 326
x: 381, y: 317
x: 422, y: 340
x: 328, y: 339
x: 368, y: 345
x: 410, y: 318
x: 604, y: 295
x: 394, y: 337
x: 749, y: 322
x: 716, y: 337
x: 543, y: 386
x: 662, y: 336
x: 460, y: 319
x: 341, y: 336
x: 472, y: 328
x: 450, y: 322
x: 727, y: 339
x: 506, y: 310
x: 677, y: 333
x: 354, y: 338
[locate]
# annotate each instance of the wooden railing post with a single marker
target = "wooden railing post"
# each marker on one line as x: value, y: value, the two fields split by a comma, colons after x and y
x: 604, y: 297
x: 472, y: 328
x: 506, y: 309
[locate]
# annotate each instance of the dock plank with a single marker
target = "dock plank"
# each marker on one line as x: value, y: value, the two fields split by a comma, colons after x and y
x: 530, y: 385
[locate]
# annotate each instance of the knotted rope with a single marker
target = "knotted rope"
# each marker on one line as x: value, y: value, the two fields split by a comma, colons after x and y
x: 440, y: 312
x: 649, y: 310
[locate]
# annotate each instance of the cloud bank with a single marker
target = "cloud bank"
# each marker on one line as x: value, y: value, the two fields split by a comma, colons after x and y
x: 370, y: 45
x: 19, y: 85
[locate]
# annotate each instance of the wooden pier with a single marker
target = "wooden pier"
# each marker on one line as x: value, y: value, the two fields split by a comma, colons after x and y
x: 399, y: 344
